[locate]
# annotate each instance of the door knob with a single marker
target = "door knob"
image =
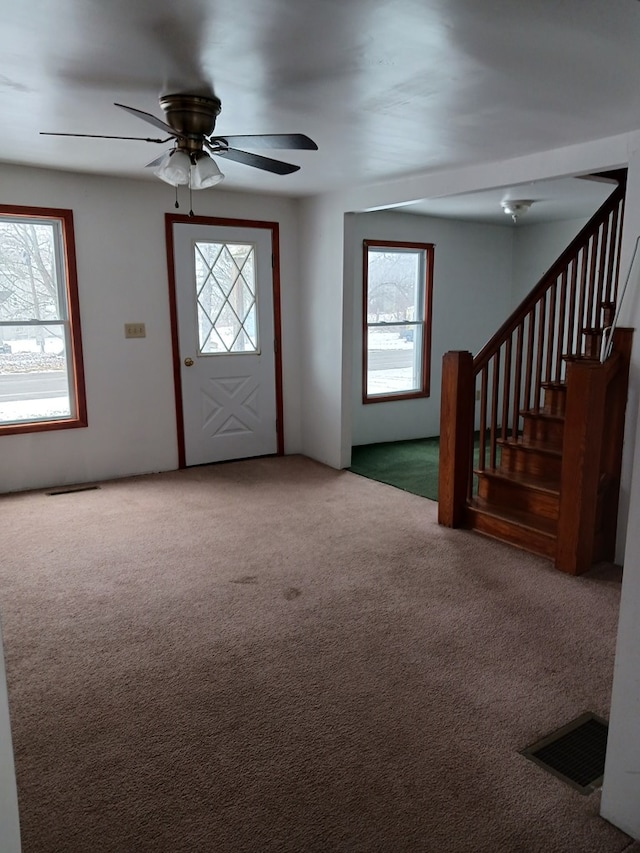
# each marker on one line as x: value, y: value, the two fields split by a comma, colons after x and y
x: 188, y: 362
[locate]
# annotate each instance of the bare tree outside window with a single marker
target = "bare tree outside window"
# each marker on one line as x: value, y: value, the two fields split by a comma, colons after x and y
x: 392, y: 278
x: 227, y: 298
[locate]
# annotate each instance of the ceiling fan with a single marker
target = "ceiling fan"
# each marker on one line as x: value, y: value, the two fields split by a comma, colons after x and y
x: 190, y: 122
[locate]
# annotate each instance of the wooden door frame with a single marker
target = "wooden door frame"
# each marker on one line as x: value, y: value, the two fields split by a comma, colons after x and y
x: 171, y: 219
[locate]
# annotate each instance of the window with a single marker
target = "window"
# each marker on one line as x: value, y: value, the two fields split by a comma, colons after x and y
x: 227, y: 298
x: 396, y: 320
x: 41, y: 375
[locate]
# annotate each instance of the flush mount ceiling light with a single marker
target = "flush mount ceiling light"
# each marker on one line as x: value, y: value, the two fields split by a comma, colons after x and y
x: 516, y: 207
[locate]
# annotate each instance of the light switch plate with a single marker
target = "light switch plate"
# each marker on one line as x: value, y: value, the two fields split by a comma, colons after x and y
x: 135, y: 330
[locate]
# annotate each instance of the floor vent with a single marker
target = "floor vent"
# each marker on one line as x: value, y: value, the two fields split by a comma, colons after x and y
x: 574, y: 753
x: 72, y: 490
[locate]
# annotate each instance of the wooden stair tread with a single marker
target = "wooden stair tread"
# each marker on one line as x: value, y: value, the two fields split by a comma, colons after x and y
x: 540, y: 413
x: 534, y: 447
x: 516, y: 527
x: 548, y: 486
x: 580, y: 357
x: 544, y: 526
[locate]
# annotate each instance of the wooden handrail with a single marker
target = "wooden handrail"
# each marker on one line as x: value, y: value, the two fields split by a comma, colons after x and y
x: 556, y: 269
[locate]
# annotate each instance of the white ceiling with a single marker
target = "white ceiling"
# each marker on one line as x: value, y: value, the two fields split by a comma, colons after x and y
x: 385, y: 87
x: 563, y: 198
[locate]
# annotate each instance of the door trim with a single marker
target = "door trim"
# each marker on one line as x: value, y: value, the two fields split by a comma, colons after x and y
x: 174, y: 218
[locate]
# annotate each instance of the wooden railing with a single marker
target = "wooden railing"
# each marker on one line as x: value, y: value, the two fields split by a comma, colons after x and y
x: 560, y: 319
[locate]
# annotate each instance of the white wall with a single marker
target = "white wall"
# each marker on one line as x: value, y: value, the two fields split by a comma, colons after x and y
x: 471, y: 297
x: 621, y: 789
x: 481, y: 273
x: 535, y: 248
x: 326, y: 420
x: 9, y: 817
x: 122, y: 277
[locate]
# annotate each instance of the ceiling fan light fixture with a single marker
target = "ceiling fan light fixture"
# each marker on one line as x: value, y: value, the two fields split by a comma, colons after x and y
x: 174, y: 168
x: 205, y: 172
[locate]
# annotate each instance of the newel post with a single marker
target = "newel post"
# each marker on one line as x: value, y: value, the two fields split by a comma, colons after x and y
x: 457, y: 408
x: 592, y: 458
x: 581, y: 452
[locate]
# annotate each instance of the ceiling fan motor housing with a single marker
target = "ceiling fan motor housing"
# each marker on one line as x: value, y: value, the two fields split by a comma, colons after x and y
x: 191, y: 116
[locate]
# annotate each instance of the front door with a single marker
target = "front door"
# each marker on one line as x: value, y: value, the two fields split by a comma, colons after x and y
x: 227, y: 341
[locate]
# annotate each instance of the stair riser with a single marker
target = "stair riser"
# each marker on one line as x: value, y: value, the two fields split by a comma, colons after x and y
x: 512, y: 534
x: 555, y: 400
x: 510, y: 495
x: 531, y: 462
x: 544, y: 431
x: 592, y: 343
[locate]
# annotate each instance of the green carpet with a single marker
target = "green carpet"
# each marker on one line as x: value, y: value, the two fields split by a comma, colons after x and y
x: 409, y: 465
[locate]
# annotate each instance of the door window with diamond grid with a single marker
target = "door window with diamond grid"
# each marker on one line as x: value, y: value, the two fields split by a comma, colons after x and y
x: 226, y: 298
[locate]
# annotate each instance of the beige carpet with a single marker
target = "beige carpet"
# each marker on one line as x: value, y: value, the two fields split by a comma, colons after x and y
x: 274, y: 656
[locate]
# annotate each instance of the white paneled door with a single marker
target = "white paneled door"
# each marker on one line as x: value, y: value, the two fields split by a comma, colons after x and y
x: 226, y: 341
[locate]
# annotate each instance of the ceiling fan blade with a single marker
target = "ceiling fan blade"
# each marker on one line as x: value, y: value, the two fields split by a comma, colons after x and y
x: 150, y: 118
x: 102, y: 136
x: 297, y: 141
x: 278, y: 167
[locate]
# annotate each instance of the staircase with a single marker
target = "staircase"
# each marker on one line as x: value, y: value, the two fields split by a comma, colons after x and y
x: 532, y: 427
